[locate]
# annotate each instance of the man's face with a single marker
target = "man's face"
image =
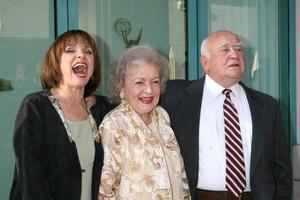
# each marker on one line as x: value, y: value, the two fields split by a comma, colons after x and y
x: 225, y: 61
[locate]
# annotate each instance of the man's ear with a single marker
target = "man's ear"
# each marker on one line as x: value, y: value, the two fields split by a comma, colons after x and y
x: 203, y: 61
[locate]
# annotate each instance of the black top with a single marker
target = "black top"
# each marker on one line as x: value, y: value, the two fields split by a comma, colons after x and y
x: 47, y: 163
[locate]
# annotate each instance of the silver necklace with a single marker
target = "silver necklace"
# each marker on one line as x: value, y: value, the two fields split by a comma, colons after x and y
x: 60, y: 112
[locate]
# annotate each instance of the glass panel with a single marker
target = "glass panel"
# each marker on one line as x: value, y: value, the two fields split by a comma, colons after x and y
x: 256, y: 21
x: 162, y: 23
x: 26, y: 31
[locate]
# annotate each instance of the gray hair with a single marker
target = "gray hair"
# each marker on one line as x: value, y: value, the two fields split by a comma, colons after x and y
x: 134, y: 57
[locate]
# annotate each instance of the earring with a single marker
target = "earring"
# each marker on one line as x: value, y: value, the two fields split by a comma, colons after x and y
x: 121, y: 95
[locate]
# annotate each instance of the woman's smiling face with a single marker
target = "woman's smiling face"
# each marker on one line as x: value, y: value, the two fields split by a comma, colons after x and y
x: 141, y: 88
x: 77, y: 64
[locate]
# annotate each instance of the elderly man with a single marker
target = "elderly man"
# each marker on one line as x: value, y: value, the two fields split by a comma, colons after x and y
x: 231, y: 137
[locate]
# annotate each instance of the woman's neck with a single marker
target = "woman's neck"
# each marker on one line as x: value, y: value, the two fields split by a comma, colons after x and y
x: 147, y: 118
x: 71, y: 95
x: 72, y: 103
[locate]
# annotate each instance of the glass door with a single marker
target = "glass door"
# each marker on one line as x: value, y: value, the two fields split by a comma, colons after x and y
x: 257, y: 23
x: 160, y: 23
x: 26, y: 32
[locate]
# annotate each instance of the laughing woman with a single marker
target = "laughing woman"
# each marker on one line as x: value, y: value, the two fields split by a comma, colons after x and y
x: 142, y: 159
x: 57, y: 148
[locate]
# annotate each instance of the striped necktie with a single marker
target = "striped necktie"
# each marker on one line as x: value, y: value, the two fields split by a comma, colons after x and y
x: 235, y: 164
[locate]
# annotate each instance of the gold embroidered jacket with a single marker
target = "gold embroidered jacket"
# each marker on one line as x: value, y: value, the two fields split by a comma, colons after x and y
x: 140, y: 161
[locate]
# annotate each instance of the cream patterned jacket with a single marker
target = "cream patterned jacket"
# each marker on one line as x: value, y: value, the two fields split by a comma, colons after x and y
x: 141, y: 162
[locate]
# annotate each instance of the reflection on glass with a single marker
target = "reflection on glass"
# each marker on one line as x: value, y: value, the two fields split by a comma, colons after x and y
x: 162, y: 22
x: 256, y: 21
x: 26, y: 32
x: 5, y: 85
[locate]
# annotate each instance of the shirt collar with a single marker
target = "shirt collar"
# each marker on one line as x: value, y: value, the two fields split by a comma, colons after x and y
x: 216, y: 89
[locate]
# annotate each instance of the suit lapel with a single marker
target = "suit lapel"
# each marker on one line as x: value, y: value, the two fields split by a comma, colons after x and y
x: 191, y: 106
x: 258, y: 133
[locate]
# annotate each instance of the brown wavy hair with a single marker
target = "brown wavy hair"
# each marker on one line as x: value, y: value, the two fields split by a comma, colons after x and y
x: 51, y: 75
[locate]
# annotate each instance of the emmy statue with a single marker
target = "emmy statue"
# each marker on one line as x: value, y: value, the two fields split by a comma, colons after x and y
x: 123, y: 28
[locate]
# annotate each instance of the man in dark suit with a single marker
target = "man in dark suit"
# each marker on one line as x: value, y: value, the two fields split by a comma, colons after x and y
x: 197, y: 118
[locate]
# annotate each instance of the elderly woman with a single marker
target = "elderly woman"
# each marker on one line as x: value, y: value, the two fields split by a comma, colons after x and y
x: 142, y: 159
x: 56, y: 142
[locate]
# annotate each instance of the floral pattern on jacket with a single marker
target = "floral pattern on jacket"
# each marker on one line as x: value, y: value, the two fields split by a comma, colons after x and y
x: 140, y: 161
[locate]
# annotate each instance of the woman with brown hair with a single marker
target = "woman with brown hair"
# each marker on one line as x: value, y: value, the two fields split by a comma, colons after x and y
x: 57, y: 147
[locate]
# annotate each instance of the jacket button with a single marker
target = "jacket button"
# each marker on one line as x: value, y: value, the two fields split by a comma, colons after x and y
x: 82, y: 170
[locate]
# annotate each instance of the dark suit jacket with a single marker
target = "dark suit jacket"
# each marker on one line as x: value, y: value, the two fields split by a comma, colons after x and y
x: 47, y: 163
x: 270, y: 168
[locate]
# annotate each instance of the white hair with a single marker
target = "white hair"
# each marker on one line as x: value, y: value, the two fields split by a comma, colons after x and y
x: 204, y: 51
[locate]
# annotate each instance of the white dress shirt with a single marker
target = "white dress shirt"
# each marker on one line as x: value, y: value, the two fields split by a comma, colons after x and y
x: 212, y: 157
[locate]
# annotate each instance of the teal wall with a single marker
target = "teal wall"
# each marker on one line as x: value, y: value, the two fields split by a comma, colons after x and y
x: 26, y: 32
x: 152, y: 16
x: 24, y: 41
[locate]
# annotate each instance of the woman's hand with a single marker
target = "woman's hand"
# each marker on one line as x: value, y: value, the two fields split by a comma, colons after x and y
x: 90, y: 101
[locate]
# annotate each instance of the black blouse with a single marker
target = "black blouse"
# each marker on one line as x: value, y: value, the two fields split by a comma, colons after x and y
x: 47, y: 163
